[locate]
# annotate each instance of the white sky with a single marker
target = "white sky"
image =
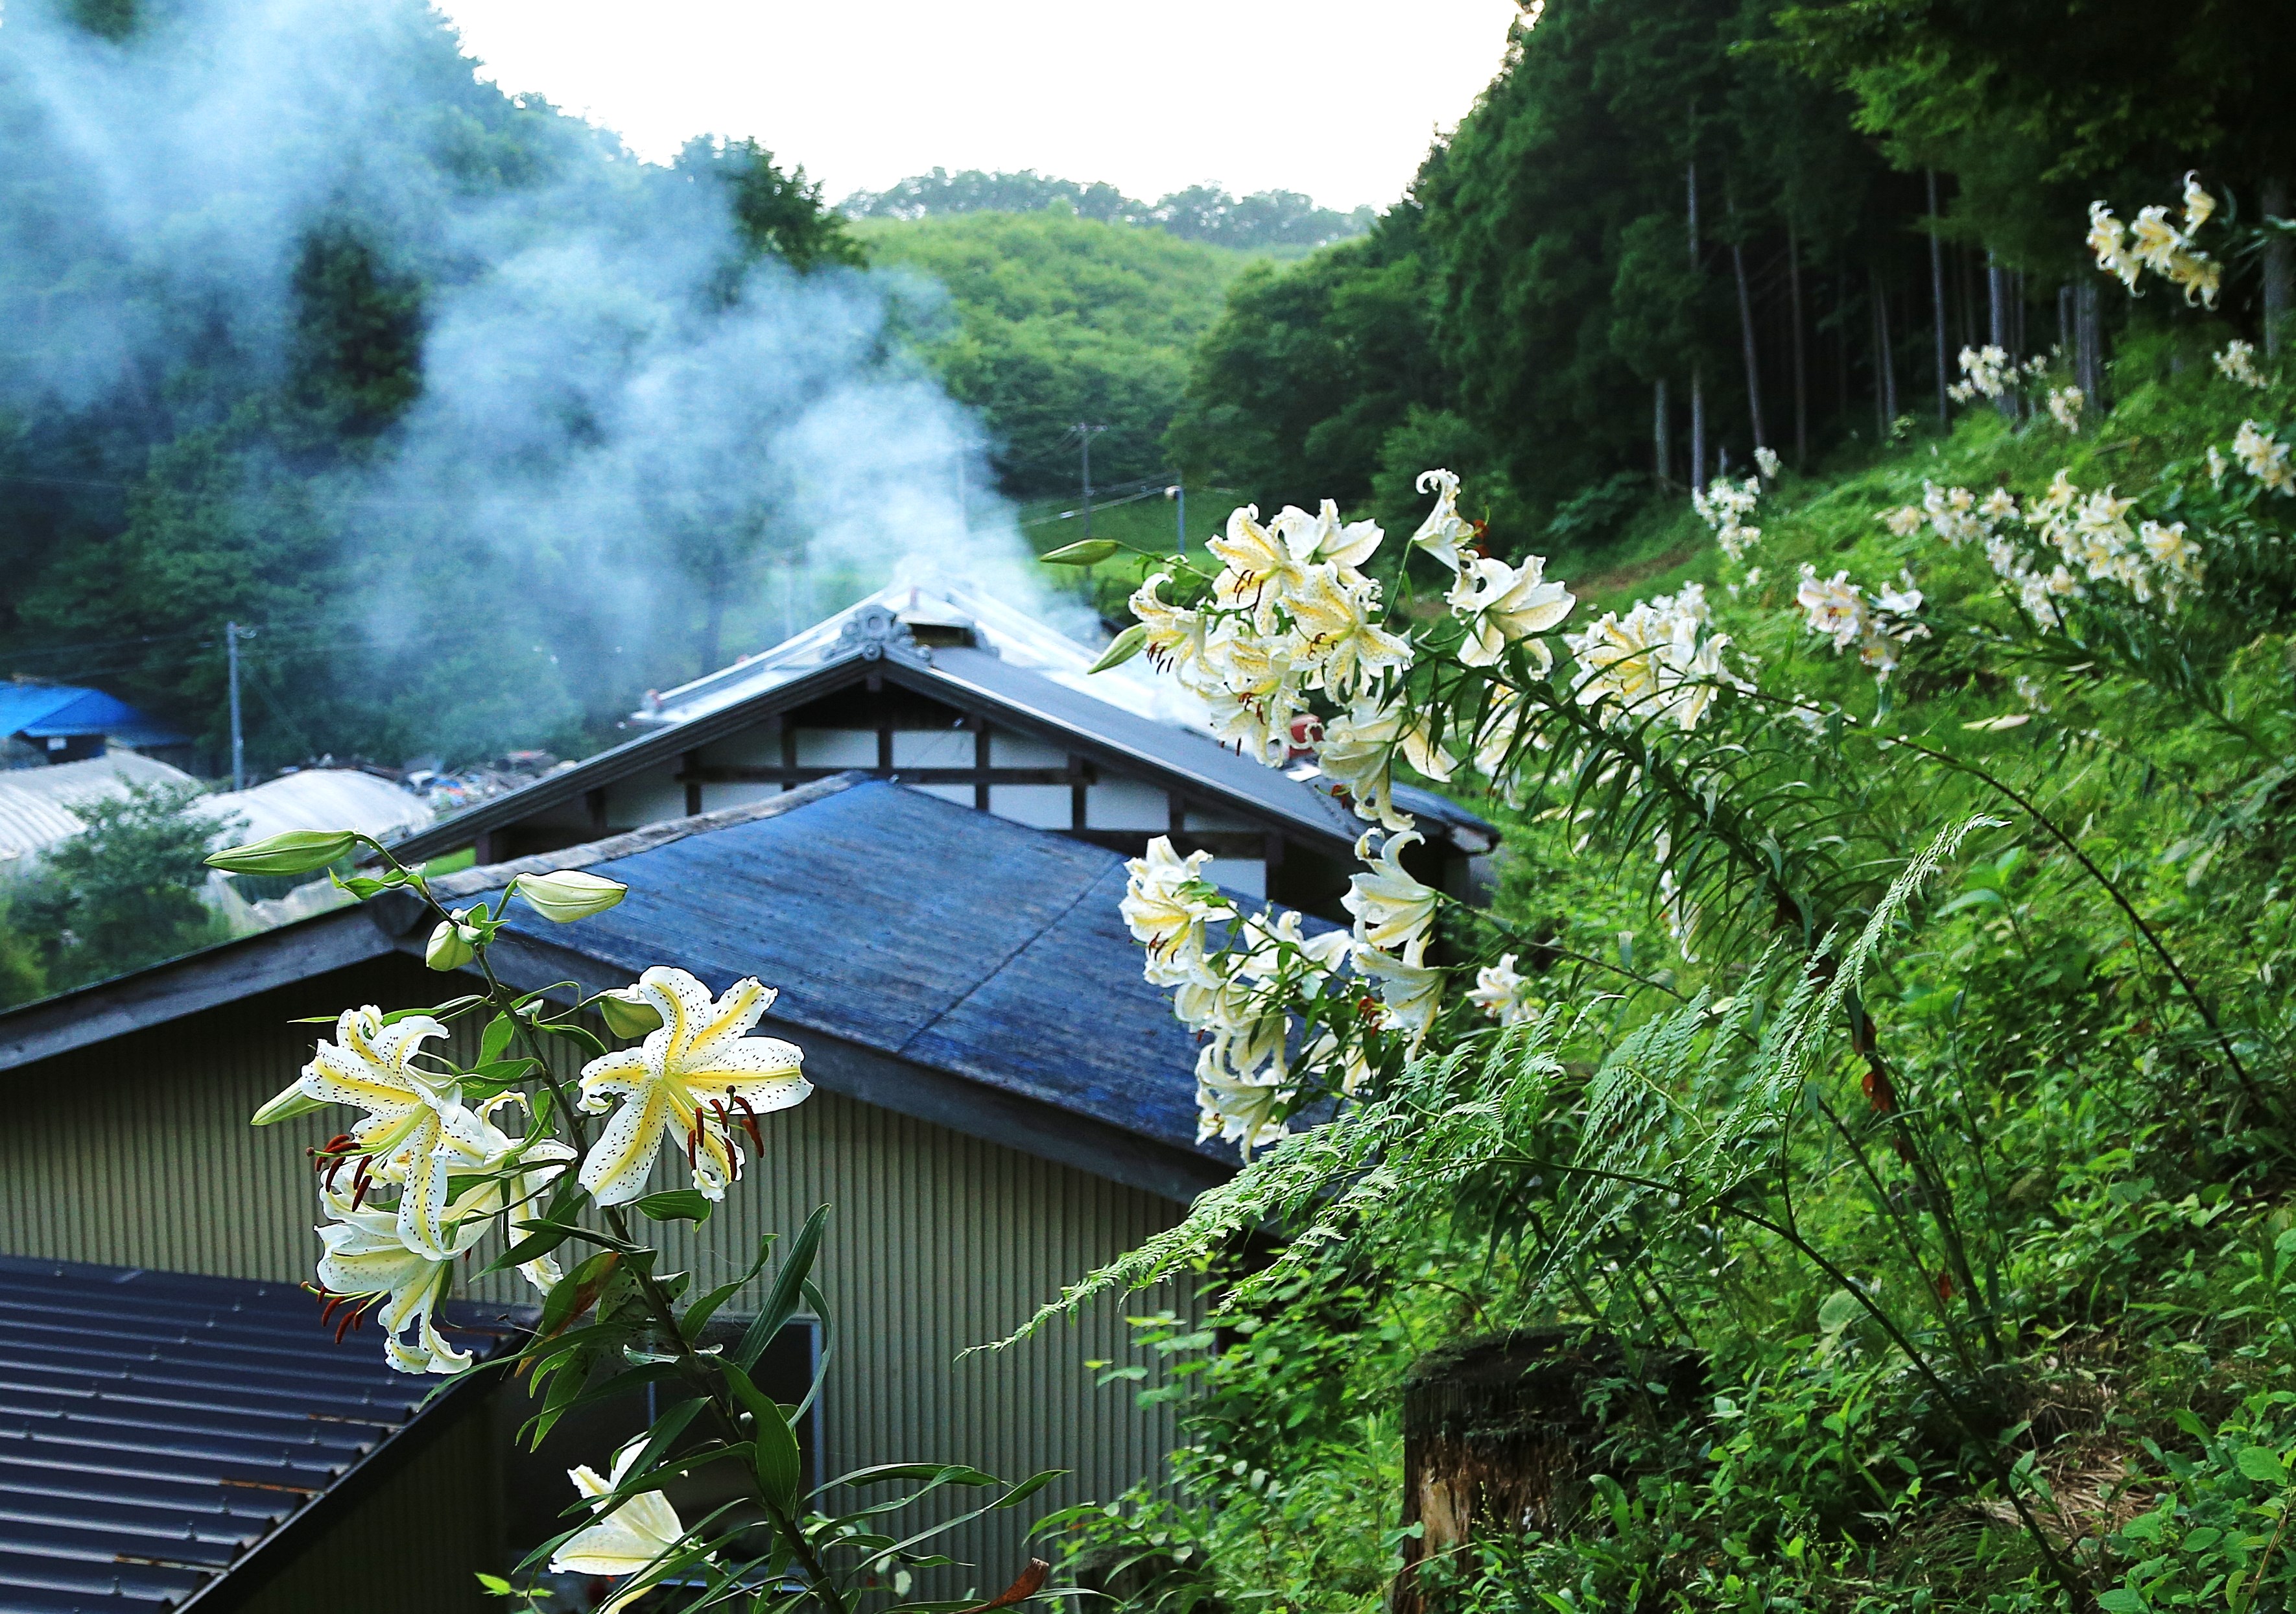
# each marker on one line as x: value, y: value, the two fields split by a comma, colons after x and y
x: 1338, y: 98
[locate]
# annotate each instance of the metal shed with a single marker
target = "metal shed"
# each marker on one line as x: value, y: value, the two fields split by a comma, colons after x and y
x: 1003, y: 1104
x: 171, y: 1442
x: 67, y: 723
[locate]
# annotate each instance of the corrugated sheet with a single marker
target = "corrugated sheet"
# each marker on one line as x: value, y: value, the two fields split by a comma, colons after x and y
x: 323, y: 799
x: 36, y: 803
x: 42, y: 710
x: 136, y: 1150
x: 157, y: 1430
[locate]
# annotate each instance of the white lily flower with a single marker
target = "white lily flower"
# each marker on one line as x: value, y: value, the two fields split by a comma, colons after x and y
x: 2263, y: 457
x: 1334, y: 616
x: 1163, y: 917
x: 2237, y: 362
x: 1238, y: 1108
x: 701, y: 1066
x: 417, y: 1131
x: 366, y: 1264
x: 2105, y: 238
x: 1392, y: 910
x: 1176, y: 634
x: 1327, y: 541
x: 1259, y: 567
x: 2198, y: 203
x: 1444, y: 531
x: 628, y: 1541
x: 1502, y: 994
x: 1502, y: 604
x: 1832, y: 608
x: 1411, y: 988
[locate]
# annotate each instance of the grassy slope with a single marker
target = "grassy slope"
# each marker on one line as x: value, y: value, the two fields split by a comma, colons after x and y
x: 2139, y: 1238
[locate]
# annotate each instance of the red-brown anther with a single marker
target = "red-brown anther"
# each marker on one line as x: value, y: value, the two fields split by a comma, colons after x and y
x: 750, y: 1120
x: 365, y: 1181
x: 349, y: 1317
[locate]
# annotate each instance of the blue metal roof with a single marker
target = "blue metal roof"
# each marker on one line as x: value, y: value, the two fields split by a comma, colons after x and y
x: 41, y: 711
x: 156, y: 1428
x: 919, y: 928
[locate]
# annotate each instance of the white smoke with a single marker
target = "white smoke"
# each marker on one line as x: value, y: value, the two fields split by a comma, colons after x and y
x: 597, y: 429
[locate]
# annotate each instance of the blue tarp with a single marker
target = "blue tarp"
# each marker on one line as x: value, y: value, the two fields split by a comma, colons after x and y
x: 40, y: 711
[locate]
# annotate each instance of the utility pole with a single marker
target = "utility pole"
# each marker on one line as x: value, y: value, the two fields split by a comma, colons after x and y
x: 1085, y: 434
x: 238, y: 737
x: 1179, y: 492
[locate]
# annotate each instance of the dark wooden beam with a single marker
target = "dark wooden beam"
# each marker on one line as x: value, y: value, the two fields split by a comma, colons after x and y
x: 981, y: 778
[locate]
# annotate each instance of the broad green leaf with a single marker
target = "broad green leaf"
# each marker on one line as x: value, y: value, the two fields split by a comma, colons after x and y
x: 495, y: 1038
x: 2262, y: 1464
x: 676, y: 1205
x: 780, y: 1468
x: 788, y: 1287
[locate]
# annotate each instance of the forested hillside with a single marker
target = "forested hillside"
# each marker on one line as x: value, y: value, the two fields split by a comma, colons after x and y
x: 1281, y: 223
x: 360, y: 370
x: 1053, y: 319
x: 1665, y: 236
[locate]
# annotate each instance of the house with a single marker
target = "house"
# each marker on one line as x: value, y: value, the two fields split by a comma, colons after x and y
x: 66, y: 723
x: 1002, y: 1104
x: 969, y: 700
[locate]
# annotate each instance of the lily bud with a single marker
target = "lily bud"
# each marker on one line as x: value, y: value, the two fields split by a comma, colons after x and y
x: 450, y: 946
x: 570, y: 893
x: 296, y: 852
x: 1086, y: 551
x: 284, y: 1106
x: 1125, y: 646
x: 629, y: 1013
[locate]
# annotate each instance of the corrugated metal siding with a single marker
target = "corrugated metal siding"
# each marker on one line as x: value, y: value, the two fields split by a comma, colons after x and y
x: 136, y: 1151
x: 412, y: 1543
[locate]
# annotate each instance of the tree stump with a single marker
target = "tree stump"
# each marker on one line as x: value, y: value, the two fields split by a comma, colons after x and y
x: 1497, y: 1437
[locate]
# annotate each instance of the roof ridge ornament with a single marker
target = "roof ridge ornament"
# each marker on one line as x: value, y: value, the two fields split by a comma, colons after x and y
x: 876, y: 631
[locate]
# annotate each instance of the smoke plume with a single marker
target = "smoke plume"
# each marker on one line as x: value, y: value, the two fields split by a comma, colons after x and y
x: 628, y: 439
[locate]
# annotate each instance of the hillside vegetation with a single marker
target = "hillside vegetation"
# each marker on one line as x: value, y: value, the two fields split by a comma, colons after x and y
x: 1053, y: 319
x: 1962, y: 1177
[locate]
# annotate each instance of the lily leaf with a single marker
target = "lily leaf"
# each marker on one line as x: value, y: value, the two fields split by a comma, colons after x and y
x: 676, y: 1205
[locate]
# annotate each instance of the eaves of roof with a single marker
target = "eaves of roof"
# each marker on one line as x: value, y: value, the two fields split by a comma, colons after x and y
x: 976, y: 681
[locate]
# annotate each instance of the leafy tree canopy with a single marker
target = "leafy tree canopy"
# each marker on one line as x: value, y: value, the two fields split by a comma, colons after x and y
x: 1054, y: 320
x: 1275, y: 221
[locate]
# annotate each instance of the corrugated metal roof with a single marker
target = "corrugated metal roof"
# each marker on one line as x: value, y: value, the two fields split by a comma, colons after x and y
x: 36, y: 803
x: 324, y: 799
x: 918, y: 928
x: 1018, y: 637
x: 43, y: 709
x: 156, y: 1430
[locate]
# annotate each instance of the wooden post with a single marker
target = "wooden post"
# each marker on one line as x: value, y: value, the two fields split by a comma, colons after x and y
x: 1499, y: 1437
